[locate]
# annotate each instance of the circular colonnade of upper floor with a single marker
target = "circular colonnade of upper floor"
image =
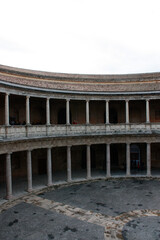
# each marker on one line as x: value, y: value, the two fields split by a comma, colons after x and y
x: 107, y: 123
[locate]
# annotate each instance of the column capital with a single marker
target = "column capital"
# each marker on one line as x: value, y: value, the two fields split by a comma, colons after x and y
x: 69, y: 146
x: 30, y: 150
x: 28, y: 96
x: 127, y: 100
x: 68, y: 99
x: 47, y: 99
x: 7, y: 94
x: 49, y: 147
x: 88, y: 100
x: 9, y: 153
x: 147, y: 99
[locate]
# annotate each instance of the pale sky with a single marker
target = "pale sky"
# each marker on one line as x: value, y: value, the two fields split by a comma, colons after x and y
x: 81, y: 36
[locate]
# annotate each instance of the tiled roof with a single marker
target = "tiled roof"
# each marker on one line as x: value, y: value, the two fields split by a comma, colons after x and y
x: 81, y: 82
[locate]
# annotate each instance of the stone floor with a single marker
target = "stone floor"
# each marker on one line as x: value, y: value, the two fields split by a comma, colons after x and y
x: 126, y: 209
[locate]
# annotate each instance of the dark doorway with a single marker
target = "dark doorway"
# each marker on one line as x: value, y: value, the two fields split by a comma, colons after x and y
x: 138, y: 158
x: 113, y: 118
x: 135, y: 157
x: 118, y: 159
x: 93, y: 159
x: 62, y: 116
x: 83, y: 165
x: 114, y: 156
x: 42, y: 166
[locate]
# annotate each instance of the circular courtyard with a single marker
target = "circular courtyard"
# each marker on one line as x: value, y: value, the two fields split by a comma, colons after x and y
x: 103, y: 209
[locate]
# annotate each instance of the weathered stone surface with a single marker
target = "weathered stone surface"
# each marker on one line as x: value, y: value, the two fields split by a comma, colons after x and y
x: 137, y: 202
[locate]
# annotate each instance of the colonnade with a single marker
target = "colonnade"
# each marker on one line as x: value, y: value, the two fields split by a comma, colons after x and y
x: 69, y: 166
x: 127, y: 119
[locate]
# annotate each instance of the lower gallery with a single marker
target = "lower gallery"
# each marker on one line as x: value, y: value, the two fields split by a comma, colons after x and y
x: 58, y: 128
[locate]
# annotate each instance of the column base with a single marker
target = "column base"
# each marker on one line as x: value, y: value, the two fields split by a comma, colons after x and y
x: 28, y: 124
x: 9, y: 197
x: 69, y: 180
x: 149, y: 175
x: 88, y: 177
x: 30, y: 190
x: 108, y: 176
x: 49, y: 184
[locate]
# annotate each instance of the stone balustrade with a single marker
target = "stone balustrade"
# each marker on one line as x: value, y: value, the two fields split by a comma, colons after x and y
x: 10, y: 132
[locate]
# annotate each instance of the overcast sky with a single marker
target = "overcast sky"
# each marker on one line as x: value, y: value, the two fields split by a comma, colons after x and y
x: 81, y: 36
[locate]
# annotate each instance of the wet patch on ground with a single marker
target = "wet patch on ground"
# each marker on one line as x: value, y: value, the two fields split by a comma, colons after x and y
x: 35, y: 223
x: 142, y: 228
x: 110, y: 197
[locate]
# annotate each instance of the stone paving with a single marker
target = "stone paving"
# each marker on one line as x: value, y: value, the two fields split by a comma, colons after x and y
x: 115, y: 209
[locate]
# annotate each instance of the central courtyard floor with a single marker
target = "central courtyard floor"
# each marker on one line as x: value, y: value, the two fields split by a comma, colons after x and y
x: 126, y: 209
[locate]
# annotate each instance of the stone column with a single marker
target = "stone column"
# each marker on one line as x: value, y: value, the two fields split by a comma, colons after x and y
x: 27, y: 110
x: 47, y: 111
x: 67, y: 112
x: 128, y: 161
x: 7, y: 109
x: 108, y: 158
x: 69, y: 173
x: 88, y: 162
x: 87, y: 111
x: 8, y: 176
x: 127, y: 111
x: 107, y: 111
x: 29, y: 170
x: 148, y: 159
x: 147, y: 112
x: 49, y: 167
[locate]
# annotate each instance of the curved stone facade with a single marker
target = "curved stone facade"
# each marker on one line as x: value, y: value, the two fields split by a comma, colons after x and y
x: 62, y: 127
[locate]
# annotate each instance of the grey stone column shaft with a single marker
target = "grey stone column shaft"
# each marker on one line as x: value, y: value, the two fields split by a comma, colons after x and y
x: 87, y: 111
x: 127, y: 111
x: 147, y: 112
x: 7, y: 109
x: 67, y: 112
x: 8, y: 176
x: 47, y: 111
x: 69, y: 173
x: 49, y: 167
x: 29, y: 170
x: 107, y: 111
x: 128, y: 161
x: 27, y: 110
x: 148, y: 159
x: 88, y: 161
x: 108, y: 160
